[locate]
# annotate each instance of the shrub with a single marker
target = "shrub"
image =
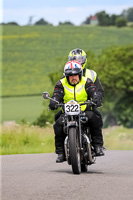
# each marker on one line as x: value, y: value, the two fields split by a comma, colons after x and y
x: 121, y: 22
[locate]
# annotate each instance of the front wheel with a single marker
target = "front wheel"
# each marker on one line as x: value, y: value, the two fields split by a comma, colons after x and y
x: 74, y: 150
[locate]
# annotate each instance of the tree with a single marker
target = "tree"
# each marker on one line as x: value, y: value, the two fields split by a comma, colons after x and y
x: 121, y: 22
x: 10, y: 23
x: 115, y: 69
x: 66, y: 23
x: 104, y: 19
x: 87, y: 21
x: 113, y: 19
x: 115, y: 66
x: 42, y: 22
x: 128, y: 14
x: 124, y: 110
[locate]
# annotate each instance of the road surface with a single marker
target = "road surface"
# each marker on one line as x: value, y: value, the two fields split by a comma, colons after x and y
x: 38, y: 177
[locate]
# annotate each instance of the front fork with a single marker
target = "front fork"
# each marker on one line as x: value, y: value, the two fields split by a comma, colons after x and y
x: 67, y: 150
x: 80, y: 135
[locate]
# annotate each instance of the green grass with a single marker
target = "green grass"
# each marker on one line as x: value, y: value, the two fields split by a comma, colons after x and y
x: 22, y: 139
x: 21, y: 108
x: 118, y: 138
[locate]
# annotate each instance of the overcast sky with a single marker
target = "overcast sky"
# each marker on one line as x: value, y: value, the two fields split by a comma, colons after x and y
x: 55, y: 11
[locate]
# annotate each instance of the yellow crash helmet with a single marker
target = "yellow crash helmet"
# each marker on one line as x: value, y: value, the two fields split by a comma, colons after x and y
x: 79, y: 55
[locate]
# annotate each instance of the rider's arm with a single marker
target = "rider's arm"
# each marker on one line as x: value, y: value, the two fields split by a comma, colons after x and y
x: 99, y: 88
x: 90, y: 88
x: 58, y: 93
x: 92, y: 92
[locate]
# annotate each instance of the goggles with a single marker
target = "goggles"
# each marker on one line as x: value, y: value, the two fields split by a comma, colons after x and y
x: 77, y: 58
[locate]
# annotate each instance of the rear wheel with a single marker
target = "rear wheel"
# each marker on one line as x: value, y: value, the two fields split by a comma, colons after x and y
x: 74, y: 150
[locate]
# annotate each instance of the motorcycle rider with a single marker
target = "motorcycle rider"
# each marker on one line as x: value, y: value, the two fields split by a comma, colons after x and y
x: 77, y: 87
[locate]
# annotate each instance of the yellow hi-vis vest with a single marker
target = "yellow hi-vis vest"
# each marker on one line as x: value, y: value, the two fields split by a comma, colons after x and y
x: 91, y: 74
x: 77, y: 92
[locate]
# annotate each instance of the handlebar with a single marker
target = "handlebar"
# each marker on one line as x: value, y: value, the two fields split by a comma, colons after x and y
x: 47, y: 96
x: 60, y: 104
x: 88, y: 102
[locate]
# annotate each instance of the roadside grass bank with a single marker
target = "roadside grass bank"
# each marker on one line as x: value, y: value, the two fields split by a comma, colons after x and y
x: 22, y: 139
x: 118, y: 138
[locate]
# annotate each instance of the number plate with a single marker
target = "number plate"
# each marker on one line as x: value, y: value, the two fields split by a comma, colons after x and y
x: 72, y: 108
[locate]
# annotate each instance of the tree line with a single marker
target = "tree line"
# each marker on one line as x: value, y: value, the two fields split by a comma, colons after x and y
x: 104, y: 19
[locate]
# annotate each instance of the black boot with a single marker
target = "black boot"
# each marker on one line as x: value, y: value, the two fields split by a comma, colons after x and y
x: 98, y: 150
x: 60, y: 158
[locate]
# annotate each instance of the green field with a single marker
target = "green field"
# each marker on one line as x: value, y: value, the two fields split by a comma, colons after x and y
x: 30, y: 53
x: 17, y: 139
x: 21, y: 108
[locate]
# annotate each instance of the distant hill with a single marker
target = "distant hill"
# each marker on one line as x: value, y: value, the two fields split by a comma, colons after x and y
x: 30, y: 53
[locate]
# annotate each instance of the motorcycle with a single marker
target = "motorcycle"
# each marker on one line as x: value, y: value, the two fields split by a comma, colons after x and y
x: 79, y: 152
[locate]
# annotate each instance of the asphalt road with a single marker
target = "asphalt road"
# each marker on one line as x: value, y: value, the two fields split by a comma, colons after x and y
x: 38, y: 177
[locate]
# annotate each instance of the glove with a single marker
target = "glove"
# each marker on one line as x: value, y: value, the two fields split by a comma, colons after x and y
x: 53, y: 105
x: 97, y: 101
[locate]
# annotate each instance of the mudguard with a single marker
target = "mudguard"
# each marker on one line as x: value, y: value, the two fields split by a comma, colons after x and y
x: 72, y: 124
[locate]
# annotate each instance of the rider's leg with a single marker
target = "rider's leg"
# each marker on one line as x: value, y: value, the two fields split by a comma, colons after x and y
x: 95, y: 123
x: 59, y: 139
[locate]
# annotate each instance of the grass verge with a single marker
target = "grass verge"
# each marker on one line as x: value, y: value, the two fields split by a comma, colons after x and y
x: 118, y: 138
x: 22, y: 139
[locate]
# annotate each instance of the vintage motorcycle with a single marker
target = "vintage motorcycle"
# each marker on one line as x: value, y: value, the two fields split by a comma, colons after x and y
x: 78, y: 149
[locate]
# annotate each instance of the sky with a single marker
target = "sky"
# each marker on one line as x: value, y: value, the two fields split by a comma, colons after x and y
x: 55, y: 11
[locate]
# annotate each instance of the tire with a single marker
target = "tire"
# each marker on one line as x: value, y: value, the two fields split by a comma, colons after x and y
x: 74, y: 150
